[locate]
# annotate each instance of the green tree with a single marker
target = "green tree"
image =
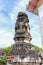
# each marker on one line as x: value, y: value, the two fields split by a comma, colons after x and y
x: 3, y: 61
x: 37, y: 48
x: 8, y: 49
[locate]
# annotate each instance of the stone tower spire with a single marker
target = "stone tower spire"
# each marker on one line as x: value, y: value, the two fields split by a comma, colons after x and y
x: 22, y: 49
x: 22, y: 28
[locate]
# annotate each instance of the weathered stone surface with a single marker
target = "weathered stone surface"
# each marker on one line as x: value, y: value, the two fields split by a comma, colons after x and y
x: 22, y: 27
x: 21, y: 48
x: 26, y: 63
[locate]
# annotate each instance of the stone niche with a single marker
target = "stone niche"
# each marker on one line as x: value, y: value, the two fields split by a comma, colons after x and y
x: 25, y: 63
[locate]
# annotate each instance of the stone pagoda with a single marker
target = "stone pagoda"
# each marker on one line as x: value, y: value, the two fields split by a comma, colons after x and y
x: 22, y: 49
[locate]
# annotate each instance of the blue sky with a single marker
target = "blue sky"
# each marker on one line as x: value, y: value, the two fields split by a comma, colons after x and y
x: 8, y: 15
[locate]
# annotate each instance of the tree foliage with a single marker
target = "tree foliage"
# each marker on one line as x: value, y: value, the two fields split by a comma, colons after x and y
x: 8, y: 49
x: 37, y: 48
x: 3, y: 61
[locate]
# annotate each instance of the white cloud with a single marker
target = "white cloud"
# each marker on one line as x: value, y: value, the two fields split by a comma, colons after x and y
x: 1, y: 5
x: 6, y: 38
x: 20, y: 6
x: 35, y: 27
x: 37, y: 41
x: 4, y: 19
x: 23, y: 3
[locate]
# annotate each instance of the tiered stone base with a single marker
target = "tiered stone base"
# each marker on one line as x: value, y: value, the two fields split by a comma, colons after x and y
x: 26, y: 63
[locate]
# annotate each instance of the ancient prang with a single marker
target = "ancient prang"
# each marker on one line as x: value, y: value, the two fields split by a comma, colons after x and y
x: 22, y: 49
